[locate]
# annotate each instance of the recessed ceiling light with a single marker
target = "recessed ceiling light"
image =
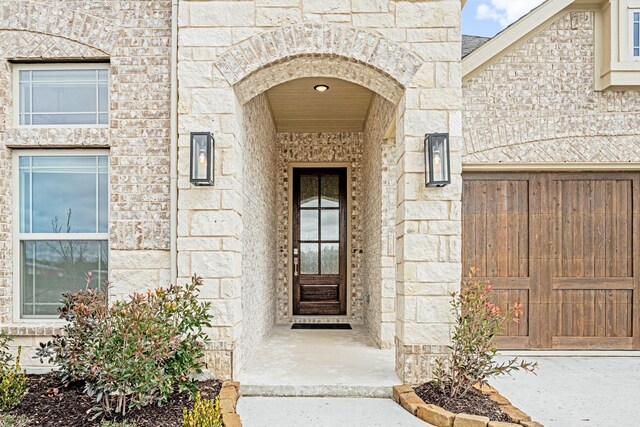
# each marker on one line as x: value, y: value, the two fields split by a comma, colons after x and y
x: 321, y: 88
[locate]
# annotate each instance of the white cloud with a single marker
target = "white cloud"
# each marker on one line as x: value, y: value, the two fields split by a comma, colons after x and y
x: 505, y: 11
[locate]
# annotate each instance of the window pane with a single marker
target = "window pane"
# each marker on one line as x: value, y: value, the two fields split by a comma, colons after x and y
x: 64, y: 119
x: 330, y: 191
x: 83, y: 75
x: 330, y: 258
x: 330, y: 224
x: 51, y: 267
x: 308, y: 191
x: 636, y: 35
x: 103, y: 202
x: 25, y: 98
x: 60, y: 194
x: 64, y: 98
x: 103, y: 97
x: 308, y: 225
x: 25, y: 198
x: 309, y: 258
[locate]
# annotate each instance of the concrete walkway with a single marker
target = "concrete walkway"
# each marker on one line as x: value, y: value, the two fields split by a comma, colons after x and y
x: 323, y: 412
x: 320, y: 363
x: 578, y: 391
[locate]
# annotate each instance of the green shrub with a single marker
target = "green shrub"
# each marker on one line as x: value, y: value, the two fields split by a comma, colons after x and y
x: 83, y: 310
x: 136, y: 352
x: 205, y: 413
x: 477, y: 321
x: 13, y: 380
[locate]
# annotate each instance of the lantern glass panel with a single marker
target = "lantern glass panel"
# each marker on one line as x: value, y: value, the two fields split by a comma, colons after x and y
x: 439, y: 160
x: 200, y: 157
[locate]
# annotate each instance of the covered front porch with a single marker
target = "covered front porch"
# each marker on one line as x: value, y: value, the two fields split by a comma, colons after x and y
x: 257, y: 237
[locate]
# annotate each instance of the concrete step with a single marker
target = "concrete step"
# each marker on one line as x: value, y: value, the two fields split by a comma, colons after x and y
x: 330, y: 390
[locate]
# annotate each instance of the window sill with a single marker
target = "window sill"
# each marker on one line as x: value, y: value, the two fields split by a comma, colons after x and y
x: 34, y: 327
x: 57, y: 137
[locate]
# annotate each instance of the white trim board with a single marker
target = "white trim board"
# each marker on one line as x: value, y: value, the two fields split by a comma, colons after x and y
x: 551, y: 166
x: 569, y: 353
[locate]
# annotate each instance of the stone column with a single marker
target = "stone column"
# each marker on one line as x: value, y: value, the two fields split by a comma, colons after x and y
x: 428, y: 223
x: 210, y: 218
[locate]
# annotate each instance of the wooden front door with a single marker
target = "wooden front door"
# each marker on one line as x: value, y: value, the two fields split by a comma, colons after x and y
x: 566, y: 246
x: 319, y: 241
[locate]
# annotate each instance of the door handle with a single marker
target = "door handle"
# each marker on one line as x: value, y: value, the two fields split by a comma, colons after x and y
x: 295, y: 266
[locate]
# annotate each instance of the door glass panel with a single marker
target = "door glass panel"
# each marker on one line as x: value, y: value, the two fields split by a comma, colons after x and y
x: 330, y: 224
x: 330, y: 191
x: 309, y: 258
x: 330, y: 258
x: 309, y: 191
x: 309, y: 225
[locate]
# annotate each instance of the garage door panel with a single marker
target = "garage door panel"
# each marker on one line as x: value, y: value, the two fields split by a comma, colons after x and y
x: 505, y: 299
x: 496, y: 226
x: 592, y: 228
x: 592, y: 260
x: 592, y: 313
x: 562, y: 244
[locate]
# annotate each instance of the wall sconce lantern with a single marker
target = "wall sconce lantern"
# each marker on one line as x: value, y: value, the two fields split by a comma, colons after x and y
x: 202, y: 158
x: 436, y: 160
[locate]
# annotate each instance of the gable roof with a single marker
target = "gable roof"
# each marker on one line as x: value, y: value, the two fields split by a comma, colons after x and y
x: 471, y: 43
x: 501, y: 43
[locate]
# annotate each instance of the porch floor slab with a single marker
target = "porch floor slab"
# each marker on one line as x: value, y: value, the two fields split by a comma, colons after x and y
x: 327, y: 363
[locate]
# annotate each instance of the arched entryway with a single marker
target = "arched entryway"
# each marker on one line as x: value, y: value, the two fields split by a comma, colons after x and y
x: 402, y: 243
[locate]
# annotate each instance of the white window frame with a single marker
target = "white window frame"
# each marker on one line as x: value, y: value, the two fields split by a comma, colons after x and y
x: 55, y: 66
x: 18, y: 236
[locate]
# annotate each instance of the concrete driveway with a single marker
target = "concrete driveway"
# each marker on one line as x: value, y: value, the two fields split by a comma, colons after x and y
x: 578, y: 391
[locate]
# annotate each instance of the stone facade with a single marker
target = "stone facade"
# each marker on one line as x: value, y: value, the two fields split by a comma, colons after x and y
x: 379, y: 276
x: 260, y: 256
x: 538, y: 104
x: 229, y: 54
x: 407, y: 52
x: 135, y: 37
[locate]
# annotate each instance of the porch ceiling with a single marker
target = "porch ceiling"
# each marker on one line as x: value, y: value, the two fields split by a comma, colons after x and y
x: 297, y: 107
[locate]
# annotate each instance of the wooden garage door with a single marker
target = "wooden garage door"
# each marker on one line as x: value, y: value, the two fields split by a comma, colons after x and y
x: 566, y: 247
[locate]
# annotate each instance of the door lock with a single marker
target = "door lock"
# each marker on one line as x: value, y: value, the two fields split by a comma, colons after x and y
x: 295, y: 266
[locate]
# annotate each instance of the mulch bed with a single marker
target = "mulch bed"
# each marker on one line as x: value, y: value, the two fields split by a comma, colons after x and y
x: 474, y: 402
x: 48, y: 403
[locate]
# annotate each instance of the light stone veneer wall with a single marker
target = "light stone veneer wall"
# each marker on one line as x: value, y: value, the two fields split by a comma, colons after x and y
x: 320, y: 148
x: 259, y: 256
x: 538, y: 104
x: 378, y: 230
x: 407, y: 51
x: 135, y: 37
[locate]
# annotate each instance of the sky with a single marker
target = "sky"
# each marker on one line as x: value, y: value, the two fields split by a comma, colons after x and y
x: 488, y: 17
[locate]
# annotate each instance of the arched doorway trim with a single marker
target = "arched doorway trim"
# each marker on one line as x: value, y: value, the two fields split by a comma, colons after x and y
x: 318, y: 40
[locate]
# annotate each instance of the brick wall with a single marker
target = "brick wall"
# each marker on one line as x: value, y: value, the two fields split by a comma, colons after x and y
x: 538, y: 104
x: 135, y: 37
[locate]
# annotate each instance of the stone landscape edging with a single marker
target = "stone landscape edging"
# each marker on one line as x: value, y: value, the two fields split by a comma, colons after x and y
x: 406, y: 396
x: 228, y: 396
